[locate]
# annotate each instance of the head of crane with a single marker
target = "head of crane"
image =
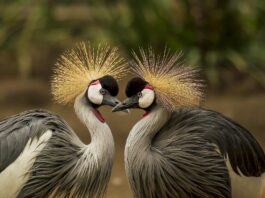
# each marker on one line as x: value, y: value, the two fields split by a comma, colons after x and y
x: 102, y: 92
x: 140, y: 95
x: 162, y: 80
x: 88, y: 75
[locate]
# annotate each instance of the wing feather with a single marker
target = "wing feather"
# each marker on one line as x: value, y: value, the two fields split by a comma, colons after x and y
x: 16, y: 130
x: 232, y: 140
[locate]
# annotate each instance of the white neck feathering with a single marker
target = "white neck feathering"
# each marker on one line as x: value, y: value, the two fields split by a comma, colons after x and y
x: 143, y: 131
x: 102, y: 143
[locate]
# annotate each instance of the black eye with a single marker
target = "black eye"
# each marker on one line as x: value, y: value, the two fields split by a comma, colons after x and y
x: 139, y: 94
x: 103, y: 91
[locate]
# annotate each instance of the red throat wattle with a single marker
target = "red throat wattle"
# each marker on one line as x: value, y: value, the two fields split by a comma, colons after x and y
x: 98, y: 115
x: 145, y: 114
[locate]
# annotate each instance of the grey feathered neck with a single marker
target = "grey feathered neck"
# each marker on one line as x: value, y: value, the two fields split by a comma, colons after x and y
x: 145, y: 129
x: 68, y: 168
x: 167, y: 156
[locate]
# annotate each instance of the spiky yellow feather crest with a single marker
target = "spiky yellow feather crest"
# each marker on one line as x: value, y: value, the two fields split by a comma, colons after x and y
x: 175, y: 83
x: 77, y: 67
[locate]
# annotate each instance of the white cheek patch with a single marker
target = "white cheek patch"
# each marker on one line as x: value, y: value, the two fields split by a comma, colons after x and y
x: 94, y: 94
x: 147, y: 98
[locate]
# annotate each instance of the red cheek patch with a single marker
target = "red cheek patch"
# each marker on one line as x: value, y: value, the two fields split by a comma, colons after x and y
x: 94, y: 83
x: 149, y: 87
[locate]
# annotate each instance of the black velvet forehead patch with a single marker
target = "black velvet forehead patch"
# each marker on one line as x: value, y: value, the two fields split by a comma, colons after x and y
x: 109, y: 83
x: 134, y: 86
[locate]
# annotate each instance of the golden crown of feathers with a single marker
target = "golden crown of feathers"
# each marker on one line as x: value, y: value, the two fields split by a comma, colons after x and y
x: 175, y: 83
x: 77, y: 67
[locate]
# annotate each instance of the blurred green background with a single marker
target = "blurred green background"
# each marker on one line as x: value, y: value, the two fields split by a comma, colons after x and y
x: 225, y: 38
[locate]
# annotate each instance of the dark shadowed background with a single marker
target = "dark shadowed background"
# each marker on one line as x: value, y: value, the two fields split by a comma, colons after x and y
x: 225, y: 38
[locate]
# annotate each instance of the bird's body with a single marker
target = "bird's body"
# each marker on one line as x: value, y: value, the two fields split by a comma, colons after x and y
x: 187, y: 154
x: 179, y: 150
x: 41, y: 156
x: 44, y: 156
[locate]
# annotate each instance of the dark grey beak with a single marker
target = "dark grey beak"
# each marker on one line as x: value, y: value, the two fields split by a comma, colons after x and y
x: 131, y: 102
x: 110, y: 100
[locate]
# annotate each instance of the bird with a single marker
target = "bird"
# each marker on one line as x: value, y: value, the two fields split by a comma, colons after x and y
x: 179, y: 149
x: 41, y: 155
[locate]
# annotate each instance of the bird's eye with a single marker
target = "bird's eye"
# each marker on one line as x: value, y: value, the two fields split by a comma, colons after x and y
x: 139, y: 94
x: 103, y: 91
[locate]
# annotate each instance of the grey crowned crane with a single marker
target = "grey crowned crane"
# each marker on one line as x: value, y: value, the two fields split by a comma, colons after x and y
x: 41, y: 156
x: 179, y: 149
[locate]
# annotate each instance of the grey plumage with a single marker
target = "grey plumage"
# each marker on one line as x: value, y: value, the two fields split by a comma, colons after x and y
x: 244, y: 152
x: 184, y: 154
x: 178, y: 150
x: 64, y: 167
x: 12, y: 142
x: 41, y: 156
x: 55, y: 171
